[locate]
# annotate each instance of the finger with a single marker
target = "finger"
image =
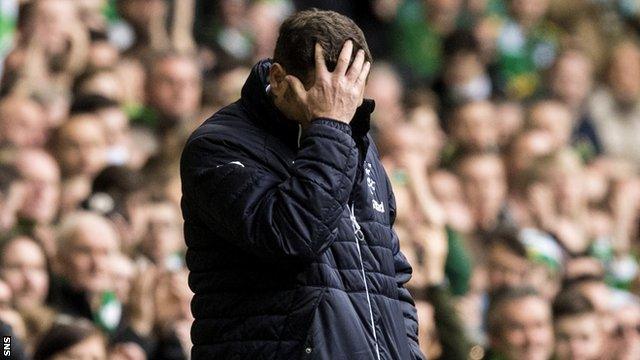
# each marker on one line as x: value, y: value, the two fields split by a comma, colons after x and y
x: 321, y: 66
x: 362, y: 78
x: 344, y: 58
x: 356, y: 67
x: 297, y: 87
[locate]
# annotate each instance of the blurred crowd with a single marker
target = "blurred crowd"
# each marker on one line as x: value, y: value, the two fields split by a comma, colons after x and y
x: 509, y: 129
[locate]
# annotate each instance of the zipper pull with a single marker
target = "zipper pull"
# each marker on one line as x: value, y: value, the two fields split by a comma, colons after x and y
x: 357, y: 230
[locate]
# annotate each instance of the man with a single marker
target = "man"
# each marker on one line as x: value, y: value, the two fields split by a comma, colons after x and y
x: 484, y: 184
x: 87, y: 242
x: 615, y: 108
x: 524, y: 257
x: 627, y: 332
x: 23, y: 266
x: 81, y: 146
x: 173, y: 88
x: 114, y: 121
x: 578, y: 328
x: 553, y: 117
x: 288, y: 212
x: 22, y: 123
x: 41, y: 176
x: 474, y: 127
x: 519, y: 325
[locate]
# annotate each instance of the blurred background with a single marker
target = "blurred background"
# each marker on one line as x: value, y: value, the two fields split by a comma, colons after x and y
x: 509, y: 129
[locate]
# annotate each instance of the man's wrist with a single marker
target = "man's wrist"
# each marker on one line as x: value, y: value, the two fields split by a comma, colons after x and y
x: 337, y: 124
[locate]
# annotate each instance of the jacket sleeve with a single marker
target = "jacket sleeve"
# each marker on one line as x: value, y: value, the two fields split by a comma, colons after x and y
x: 240, y: 200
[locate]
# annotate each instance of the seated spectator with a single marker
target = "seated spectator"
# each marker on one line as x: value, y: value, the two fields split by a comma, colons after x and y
x: 23, y: 266
x: 601, y: 296
x: 578, y: 328
x: 71, y: 338
x: 114, y: 121
x: 162, y: 240
x: 484, y: 184
x: 473, y: 127
x: 616, y: 107
x: 81, y: 146
x: 173, y: 89
x: 519, y: 325
x: 22, y: 123
x: 87, y: 242
x: 526, y: 46
x: 524, y: 258
x: 571, y: 81
x: 627, y: 332
x: 553, y: 117
x: 464, y: 76
x: 41, y: 177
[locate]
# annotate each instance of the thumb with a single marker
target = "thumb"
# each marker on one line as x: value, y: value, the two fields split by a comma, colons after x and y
x: 297, y: 87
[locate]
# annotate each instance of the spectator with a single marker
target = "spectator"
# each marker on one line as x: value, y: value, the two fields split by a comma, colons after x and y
x: 23, y: 266
x: 71, y: 338
x: 173, y: 89
x: 464, y: 75
x: 114, y: 121
x: 572, y: 81
x: 554, y: 118
x: 520, y: 325
x: 81, y: 146
x: 473, y: 127
x: 614, y: 107
x: 485, y: 188
x: 42, y: 187
x: 627, y: 332
x: 526, y: 46
x: 162, y: 242
x: 22, y: 123
x: 578, y: 328
x: 89, y: 242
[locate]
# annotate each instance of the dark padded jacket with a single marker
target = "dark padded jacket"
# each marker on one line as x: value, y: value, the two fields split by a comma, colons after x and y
x: 273, y: 215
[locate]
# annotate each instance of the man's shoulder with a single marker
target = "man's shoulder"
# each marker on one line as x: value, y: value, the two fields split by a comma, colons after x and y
x: 229, y: 125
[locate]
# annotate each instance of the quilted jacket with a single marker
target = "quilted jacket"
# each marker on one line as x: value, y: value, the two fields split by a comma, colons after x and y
x: 291, y: 250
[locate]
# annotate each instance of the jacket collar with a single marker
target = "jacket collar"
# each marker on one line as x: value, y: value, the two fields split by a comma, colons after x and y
x: 264, y: 113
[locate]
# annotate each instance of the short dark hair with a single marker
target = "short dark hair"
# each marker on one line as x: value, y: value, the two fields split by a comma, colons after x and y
x: 499, y: 298
x: 295, y: 47
x: 460, y: 42
x: 571, y: 303
x: 92, y: 103
x: 65, y: 333
x: 508, y: 237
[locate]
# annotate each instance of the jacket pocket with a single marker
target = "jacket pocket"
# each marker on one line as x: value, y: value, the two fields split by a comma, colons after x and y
x: 309, y: 350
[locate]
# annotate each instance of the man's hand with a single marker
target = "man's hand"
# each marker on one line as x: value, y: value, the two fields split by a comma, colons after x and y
x: 337, y: 94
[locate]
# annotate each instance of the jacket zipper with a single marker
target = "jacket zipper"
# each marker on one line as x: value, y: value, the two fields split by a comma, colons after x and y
x: 359, y: 236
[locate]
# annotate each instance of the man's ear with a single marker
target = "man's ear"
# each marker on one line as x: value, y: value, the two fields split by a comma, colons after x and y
x: 276, y: 79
